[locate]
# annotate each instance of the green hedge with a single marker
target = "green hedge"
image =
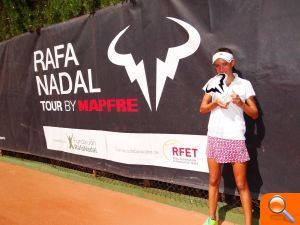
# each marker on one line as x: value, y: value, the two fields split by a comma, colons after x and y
x: 20, y: 16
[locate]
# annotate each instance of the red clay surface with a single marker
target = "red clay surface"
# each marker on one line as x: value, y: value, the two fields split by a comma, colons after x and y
x: 30, y: 197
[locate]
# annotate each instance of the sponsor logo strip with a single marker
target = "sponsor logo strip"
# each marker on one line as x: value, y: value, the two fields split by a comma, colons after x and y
x: 180, y: 151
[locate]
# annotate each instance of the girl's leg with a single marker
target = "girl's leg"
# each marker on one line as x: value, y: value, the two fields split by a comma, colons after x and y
x: 213, y: 188
x: 240, y: 175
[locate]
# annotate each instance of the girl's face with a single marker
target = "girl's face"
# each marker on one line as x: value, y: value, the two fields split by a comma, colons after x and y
x: 223, y: 66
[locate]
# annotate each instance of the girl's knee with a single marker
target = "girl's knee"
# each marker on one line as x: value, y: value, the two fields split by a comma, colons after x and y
x: 242, y: 185
x: 214, y: 181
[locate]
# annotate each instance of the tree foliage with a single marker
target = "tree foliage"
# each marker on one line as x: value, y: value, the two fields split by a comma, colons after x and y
x: 20, y: 16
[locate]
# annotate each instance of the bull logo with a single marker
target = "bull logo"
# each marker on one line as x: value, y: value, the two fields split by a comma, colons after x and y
x: 216, y: 84
x: 164, y: 69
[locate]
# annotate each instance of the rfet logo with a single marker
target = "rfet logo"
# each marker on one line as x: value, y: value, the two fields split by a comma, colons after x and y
x: 175, y: 151
x: 164, y: 69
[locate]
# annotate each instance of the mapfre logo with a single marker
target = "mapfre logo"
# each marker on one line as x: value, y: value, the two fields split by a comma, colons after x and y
x: 164, y: 69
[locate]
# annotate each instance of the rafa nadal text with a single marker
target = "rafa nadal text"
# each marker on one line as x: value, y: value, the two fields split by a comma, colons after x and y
x: 62, y: 83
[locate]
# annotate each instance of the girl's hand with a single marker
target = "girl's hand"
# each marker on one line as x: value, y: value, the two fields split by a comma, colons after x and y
x: 235, y: 99
x: 222, y: 104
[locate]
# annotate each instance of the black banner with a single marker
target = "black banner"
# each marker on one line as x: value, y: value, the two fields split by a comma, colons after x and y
x: 120, y: 90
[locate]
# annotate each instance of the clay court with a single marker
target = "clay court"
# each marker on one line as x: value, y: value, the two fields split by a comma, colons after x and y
x: 32, y: 197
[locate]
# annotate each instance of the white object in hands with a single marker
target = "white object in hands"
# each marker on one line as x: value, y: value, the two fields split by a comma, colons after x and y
x: 225, y: 97
x: 216, y: 84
